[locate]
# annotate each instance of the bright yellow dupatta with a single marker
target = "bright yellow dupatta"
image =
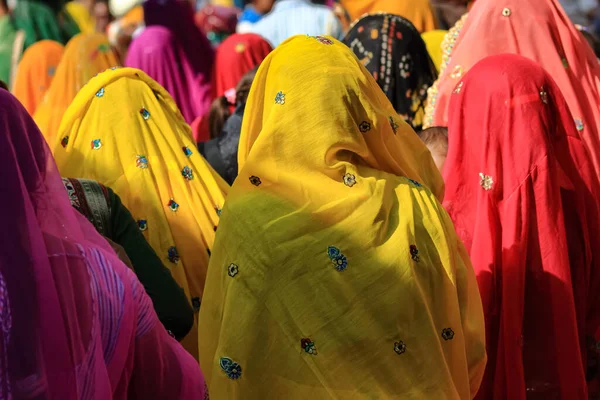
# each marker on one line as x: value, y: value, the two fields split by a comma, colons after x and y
x: 125, y: 131
x: 36, y: 71
x: 336, y: 273
x: 85, y: 56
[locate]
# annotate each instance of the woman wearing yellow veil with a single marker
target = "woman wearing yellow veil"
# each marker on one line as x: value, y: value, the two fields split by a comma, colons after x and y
x: 125, y: 131
x: 85, y: 56
x: 336, y: 273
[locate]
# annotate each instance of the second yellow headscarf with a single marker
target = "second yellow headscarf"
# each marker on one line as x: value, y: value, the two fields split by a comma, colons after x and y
x: 125, y: 131
x: 85, y: 56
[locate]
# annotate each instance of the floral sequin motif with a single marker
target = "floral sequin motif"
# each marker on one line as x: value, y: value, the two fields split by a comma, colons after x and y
x: 364, y: 126
x: 337, y: 258
x: 255, y: 180
x: 173, y: 255
x: 458, y: 87
x: 187, y: 151
x: 96, y: 144
x: 308, y: 346
x: 173, y: 205
x: 196, y: 304
x: 145, y: 113
x: 324, y: 40
x: 141, y: 162
x: 544, y: 95
x: 456, y: 72
x: 232, y: 270
x: 417, y: 184
x: 349, y: 180
x: 414, y: 253
x: 218, y: 210
x: 280, y: 98
x: 142, y: 224
x: 393, y: 124
x: 65, y: 141
x: 579, y: 124
x: 100, y: 92
x: 485, y: 181
x: 506, y: 12
x: 399, y: 347
x: 405, y: 66
x: 187, y: 173
x: 448, y: 334
x: 231, y: 368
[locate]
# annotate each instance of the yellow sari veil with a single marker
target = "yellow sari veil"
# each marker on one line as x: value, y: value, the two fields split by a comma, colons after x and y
x: 336, y: 273
x: 125, y: 131
x: 85, y: 56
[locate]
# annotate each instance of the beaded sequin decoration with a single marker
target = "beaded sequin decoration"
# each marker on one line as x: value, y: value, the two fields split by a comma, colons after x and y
x: 308, y: 346
x: 232, y: 369
x: 337, y: 258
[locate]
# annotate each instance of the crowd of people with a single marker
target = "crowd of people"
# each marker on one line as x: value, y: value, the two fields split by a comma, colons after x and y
x: 269, y: 199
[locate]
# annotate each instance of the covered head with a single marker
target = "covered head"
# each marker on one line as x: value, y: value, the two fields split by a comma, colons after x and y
x: 521, y: 191
x: 125, y: 131
x: 331, y: 223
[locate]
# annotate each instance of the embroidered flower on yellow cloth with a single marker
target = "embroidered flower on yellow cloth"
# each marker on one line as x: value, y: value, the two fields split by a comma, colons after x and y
x: 173, y: 255
x: 173, y: 206
x: 349, y: 180
x: 364, y: 126
x: 65, y: 141
x: 280, y: 98
x: 448, y: 334
x: 393, y: 124
x: 187, y: 151
x: 255, y: 180
x: 141, y: 162
x: 337, y: 258
x: 100, y: 92
x: 232, y: 369
x: 96, y: 144
x: 486, y: 181
x: 400, y: 347
x: 187, y: 173
x: 232, y: 270
x: 142, y: 224
x: 414, y: 253
x: 145, y: 113
x: 308, y: 346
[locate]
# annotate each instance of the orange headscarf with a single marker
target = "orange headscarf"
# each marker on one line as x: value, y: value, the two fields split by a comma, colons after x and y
x: 538, y: 30
x: 419, y: 12
x: 85, y: 56
x: 36, y: 71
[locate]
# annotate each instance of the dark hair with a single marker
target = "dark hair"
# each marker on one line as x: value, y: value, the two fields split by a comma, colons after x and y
x: 593, y: 41
x: 243, y: 87
x: 220, y: 107
x: 435, y: 136
x: 219, y: 112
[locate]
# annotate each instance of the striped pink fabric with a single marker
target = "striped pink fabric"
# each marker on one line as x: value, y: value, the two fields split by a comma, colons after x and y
x: 75, y: 323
